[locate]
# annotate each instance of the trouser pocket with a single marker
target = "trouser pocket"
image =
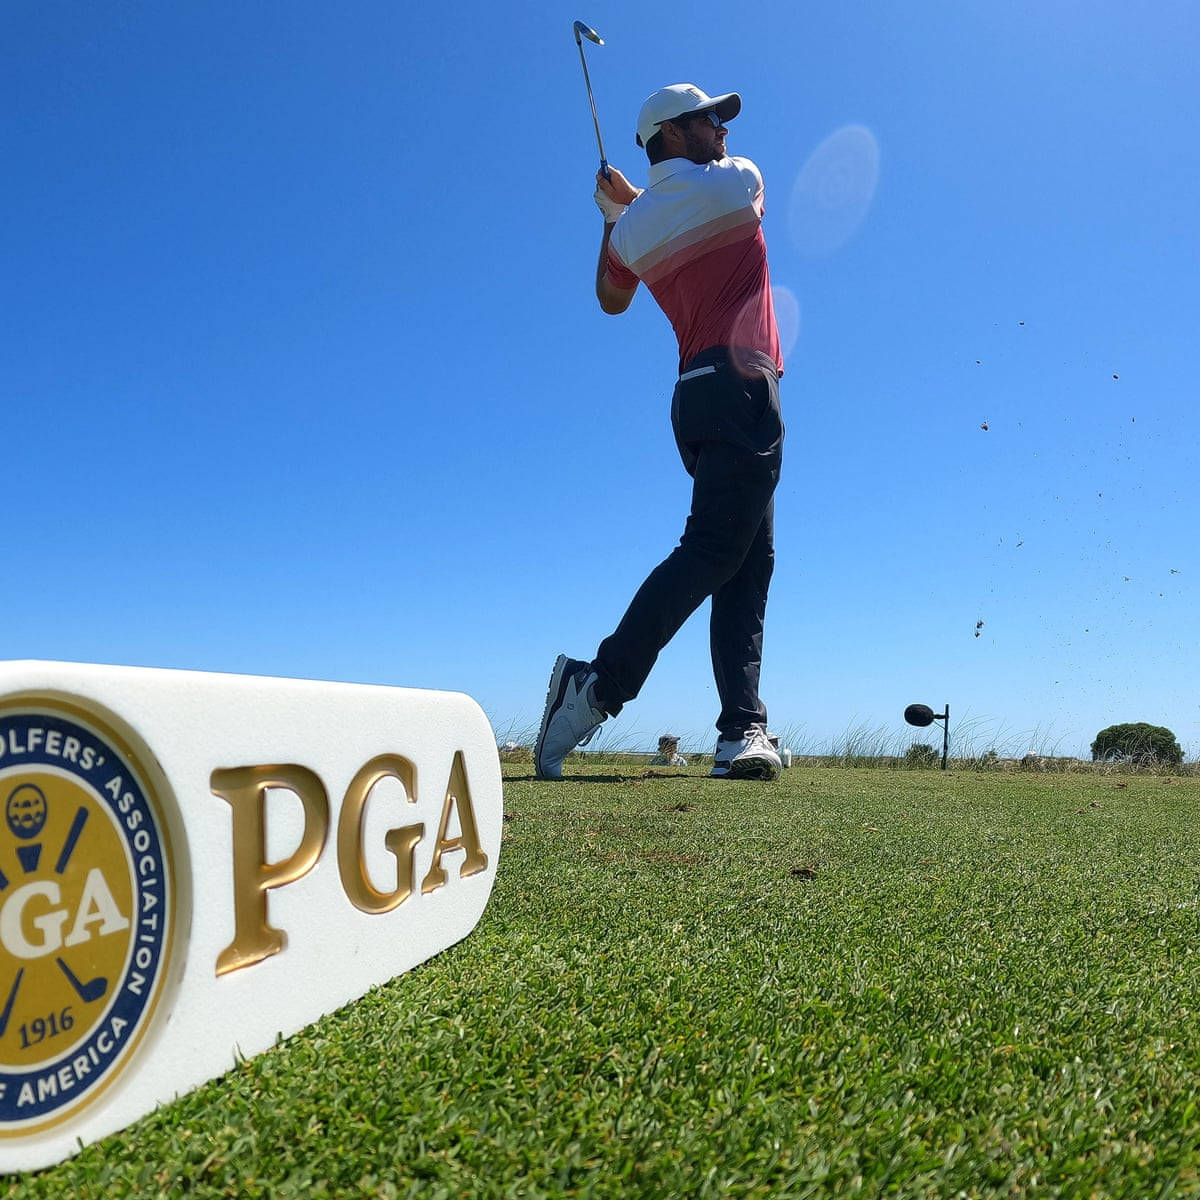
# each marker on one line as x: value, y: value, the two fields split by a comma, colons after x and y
x: 739, y: 407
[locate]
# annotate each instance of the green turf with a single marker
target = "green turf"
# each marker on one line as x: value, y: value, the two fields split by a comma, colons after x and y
x: 847, y: 983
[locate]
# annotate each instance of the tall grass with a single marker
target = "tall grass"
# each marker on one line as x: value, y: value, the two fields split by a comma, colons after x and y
x: 976, y: 743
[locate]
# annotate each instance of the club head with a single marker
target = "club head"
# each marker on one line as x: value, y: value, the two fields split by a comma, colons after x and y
x: 93, y: 989
x: 87, y: 991
x: 587, y: 32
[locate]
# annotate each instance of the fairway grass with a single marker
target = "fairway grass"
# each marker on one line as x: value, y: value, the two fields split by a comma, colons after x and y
x: 850, y: 982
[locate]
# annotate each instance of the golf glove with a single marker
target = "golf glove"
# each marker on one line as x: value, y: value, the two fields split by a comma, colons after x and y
x: 610, y: 208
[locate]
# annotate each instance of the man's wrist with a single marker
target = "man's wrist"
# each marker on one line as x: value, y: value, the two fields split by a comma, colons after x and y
x: 612, y: 210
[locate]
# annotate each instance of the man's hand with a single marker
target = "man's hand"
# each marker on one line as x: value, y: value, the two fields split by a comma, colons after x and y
x: 618, y: 188
x: 612, y: 195
x: 611, y: 210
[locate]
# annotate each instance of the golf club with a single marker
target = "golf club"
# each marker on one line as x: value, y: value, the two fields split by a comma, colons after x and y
x: 12, y: 999
x: 584, y: 31
x: 64, y: 857
x: 93, y: 989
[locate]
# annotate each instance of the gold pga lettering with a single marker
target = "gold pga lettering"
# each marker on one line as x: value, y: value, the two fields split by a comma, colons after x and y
x: 245, y: 789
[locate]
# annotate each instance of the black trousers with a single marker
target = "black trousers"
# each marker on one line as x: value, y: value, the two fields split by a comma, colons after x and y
x: 729, y: 432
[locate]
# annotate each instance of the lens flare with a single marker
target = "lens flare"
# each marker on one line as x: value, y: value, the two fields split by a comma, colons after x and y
x: 787, y: 317
x: 753, y: 322
x: 833, y: 192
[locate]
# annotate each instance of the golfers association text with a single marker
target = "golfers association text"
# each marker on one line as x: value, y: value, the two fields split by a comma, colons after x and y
x: 62, y: 1080
x: 246, y: 791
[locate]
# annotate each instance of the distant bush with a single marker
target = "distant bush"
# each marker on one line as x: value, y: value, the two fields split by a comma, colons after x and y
x: 920, y: 754
x: 1138, y: 743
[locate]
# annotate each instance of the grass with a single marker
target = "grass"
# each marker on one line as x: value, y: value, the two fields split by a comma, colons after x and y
x: 852, y: 982
x: 976, y: 743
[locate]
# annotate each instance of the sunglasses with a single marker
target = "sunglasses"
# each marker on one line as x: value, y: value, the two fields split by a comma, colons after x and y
x: 709, y: 116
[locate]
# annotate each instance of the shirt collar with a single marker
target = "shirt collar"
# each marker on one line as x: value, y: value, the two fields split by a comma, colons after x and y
x: 673, y: 166
x: 668, y: 167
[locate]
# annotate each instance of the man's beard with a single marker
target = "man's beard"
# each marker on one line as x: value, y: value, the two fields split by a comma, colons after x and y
x: 702, y: 150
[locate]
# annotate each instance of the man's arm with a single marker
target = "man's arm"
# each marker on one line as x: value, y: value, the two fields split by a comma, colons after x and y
x: 612, y: 298
x: 618, y: 191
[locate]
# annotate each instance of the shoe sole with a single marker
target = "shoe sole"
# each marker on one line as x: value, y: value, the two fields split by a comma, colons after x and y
x: 753, y: 768
x: 553, y: 699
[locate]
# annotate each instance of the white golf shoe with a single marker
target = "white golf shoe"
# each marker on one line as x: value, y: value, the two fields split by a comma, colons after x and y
x: 571, y: 718
x: 749, y: 757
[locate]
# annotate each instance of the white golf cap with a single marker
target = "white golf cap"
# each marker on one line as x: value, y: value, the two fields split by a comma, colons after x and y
x: 678, y: 99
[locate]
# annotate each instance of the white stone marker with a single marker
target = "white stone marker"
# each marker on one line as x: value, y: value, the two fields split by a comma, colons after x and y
x: 193, y: 864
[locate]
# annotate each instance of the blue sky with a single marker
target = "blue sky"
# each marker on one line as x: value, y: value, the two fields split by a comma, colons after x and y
x: 302, y: 373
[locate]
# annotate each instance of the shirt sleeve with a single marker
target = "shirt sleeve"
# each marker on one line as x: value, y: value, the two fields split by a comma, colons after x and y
x: 753, y: 181
x: 618, y: 272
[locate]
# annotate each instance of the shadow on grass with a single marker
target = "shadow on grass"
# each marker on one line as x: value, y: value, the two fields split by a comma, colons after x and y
x: 635, y: 778
x: 571, y: 779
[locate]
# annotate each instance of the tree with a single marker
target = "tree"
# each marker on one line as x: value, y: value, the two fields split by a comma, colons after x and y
x: 1137, y: 742
x: 920, y: 755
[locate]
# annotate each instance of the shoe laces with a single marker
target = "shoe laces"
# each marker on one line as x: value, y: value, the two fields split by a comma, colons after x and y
x: 591, y: 733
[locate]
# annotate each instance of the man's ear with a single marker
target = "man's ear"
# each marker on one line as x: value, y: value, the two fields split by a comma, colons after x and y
x: 672, y: 136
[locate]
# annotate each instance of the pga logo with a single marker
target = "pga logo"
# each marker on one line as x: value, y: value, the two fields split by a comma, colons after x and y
x: 85, y: 910
x: 165, y: 911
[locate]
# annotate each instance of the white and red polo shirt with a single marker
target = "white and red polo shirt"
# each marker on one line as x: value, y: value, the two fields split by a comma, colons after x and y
x: 694, y: 237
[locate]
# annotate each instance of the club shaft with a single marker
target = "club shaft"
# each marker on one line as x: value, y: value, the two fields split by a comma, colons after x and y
x: 12, y: 999
x: 592, y: 101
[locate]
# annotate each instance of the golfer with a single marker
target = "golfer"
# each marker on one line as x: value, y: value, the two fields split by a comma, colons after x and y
x: 694, y: 237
